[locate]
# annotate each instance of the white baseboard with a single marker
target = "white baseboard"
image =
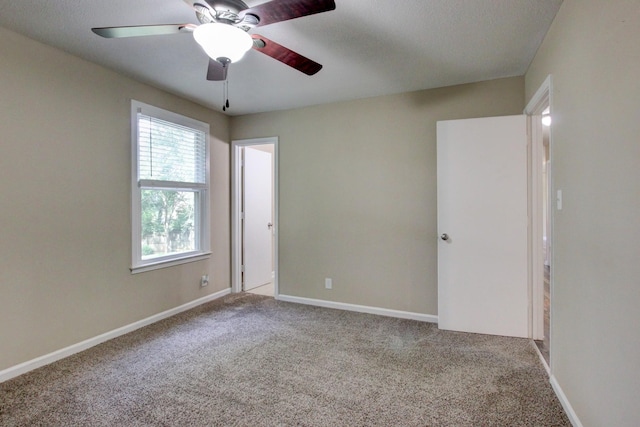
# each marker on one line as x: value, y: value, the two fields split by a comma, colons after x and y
x: 30, y: 365
x: 360, y: 308
x: 571, y: 414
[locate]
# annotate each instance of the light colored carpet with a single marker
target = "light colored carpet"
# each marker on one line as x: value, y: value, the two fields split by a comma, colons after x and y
x: 249, y: 360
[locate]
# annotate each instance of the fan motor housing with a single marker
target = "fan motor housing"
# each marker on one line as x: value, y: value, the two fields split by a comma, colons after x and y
x: 218, y: 10
x: 235, y: 6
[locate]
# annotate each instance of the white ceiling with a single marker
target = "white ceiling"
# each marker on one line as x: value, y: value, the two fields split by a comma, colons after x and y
x: 368, y: 47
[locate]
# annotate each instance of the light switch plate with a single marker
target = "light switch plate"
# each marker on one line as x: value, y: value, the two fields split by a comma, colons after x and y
x: 559, y: 200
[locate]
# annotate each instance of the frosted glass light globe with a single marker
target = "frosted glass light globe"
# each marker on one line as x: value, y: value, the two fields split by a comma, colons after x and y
x: 223, y: 41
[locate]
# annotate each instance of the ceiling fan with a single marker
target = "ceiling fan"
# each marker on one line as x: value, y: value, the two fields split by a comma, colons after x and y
x: 223, y: 31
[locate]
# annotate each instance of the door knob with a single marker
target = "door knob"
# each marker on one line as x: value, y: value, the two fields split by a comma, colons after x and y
x: 269, y: 225
x: 444, y: 237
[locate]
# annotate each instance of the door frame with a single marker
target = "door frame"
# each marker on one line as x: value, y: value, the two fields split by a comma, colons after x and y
x: 542, y: 98
x: 236, y: 209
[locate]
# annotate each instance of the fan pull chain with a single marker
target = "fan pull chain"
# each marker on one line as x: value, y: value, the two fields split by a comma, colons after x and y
x: 225, y: 96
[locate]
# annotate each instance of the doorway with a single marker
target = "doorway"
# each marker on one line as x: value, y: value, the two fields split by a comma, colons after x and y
x: 541, y: 237
x: 254, y: 216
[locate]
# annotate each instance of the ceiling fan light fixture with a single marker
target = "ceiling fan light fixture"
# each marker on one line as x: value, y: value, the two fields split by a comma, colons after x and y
x: 223, y: 41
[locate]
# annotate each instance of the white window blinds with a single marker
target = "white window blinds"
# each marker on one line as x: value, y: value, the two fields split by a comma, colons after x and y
x: 170, y: 152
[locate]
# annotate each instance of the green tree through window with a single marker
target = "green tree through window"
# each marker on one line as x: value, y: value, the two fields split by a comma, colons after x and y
x: 167, y: 222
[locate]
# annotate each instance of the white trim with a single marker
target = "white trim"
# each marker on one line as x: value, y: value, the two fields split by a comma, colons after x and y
x: 163, y: 263
x: 571, y: 414
x: 360, y: 308
x: 536, y: 258
x: 539, y: 101
x: 540, y: 97
x: 236, y: 209
x: 30, y: 365
x: 203, y: 208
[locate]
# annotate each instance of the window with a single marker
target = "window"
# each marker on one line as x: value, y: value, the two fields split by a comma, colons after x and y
x: 169, y: 188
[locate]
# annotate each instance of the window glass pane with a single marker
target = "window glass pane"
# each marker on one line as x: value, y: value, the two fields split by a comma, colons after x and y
x: 170, y: 152
x: 168, y: 222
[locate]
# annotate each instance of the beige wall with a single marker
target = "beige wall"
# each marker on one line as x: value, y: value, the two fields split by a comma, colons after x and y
x: 65, y: 208
x: 358, y: 191
x: 593, y: 53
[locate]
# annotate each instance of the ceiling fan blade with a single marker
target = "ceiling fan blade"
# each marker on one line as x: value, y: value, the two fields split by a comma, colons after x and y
x: 143, y: 30
x: 283, y: 10
x: 285, y: 55
x: 217, y: 71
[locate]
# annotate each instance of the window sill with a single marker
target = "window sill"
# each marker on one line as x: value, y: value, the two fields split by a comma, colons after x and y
x: 155, y: 265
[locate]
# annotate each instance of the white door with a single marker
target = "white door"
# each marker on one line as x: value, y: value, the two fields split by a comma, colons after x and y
x: 258, y: 223
x: 482, y: 225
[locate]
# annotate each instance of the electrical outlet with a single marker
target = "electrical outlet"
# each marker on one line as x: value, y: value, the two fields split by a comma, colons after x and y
x: 204, y: 281
x: 328, y: 283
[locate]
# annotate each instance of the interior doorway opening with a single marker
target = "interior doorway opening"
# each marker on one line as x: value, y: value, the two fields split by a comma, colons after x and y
x: 254, y: 216
x: 544, y: 344
x: 539, y: 111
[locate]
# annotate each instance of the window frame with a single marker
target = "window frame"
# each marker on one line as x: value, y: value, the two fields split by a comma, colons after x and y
x: 202, y: 210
